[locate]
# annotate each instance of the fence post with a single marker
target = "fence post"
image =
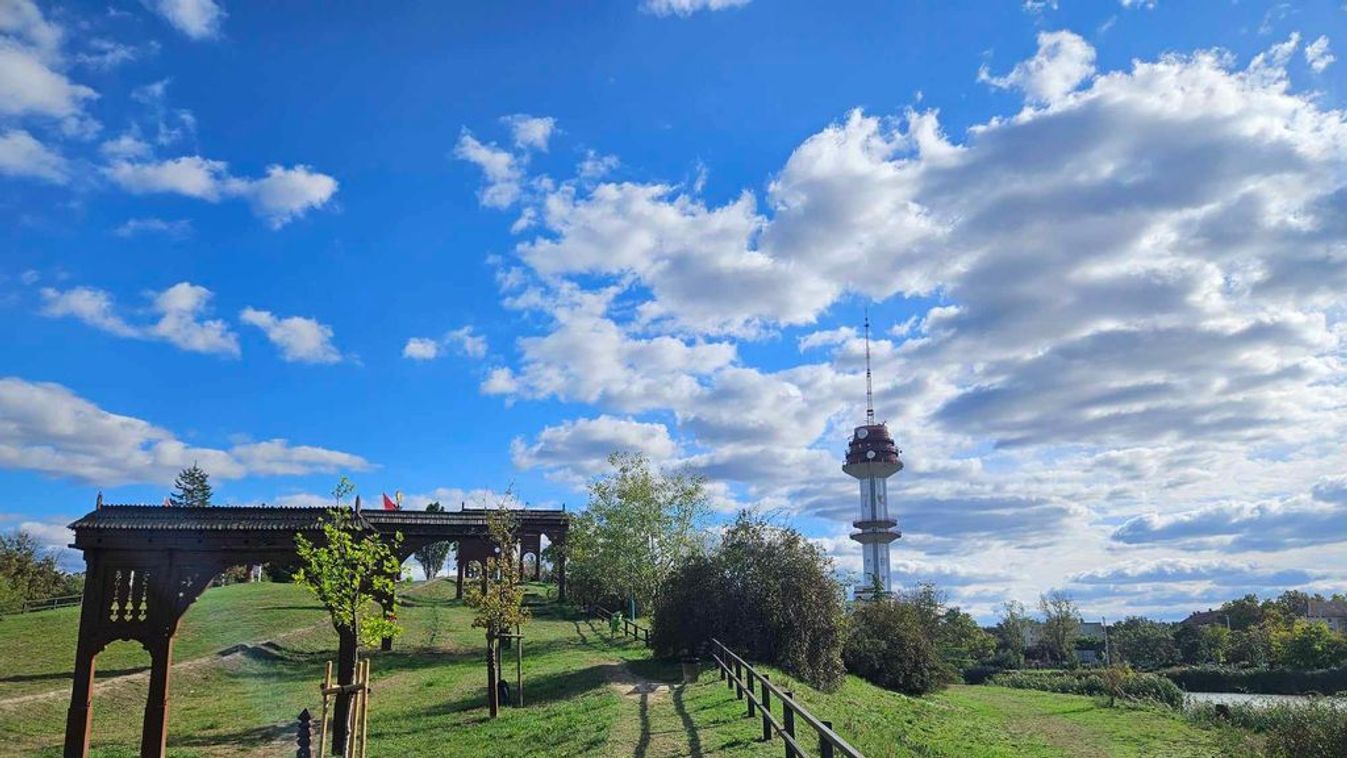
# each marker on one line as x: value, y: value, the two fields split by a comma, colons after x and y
x: 788, y: 720
x: 720, y: 668
x: 825, y: 745
x: 305, y: 735
x: 738, y: 679
x: 766, y: 710
x: 751, y: 711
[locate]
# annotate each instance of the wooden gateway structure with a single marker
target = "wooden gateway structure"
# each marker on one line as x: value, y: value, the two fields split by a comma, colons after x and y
x: 146, y: 564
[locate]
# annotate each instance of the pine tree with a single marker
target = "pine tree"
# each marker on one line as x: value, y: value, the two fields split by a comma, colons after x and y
x: 192, y: 489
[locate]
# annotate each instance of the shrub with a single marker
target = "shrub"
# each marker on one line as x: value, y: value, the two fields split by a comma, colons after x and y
x: 1149, y: 687
x: 766, y: 592
x: 888, y: 645
x: 1316, y: 729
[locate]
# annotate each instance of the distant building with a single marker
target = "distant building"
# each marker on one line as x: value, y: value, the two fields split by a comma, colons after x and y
x: 1331, y: 612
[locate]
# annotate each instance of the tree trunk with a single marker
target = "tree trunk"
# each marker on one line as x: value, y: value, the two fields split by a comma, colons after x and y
x: 346, y: 658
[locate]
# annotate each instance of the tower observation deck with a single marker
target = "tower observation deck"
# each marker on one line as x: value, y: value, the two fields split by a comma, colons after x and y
x: 873, y: 457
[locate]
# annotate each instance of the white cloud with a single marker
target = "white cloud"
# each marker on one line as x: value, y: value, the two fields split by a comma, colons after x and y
x: 177, y: 228
x: 502, y: 169
x: 1168, y: 570
x: 531, y: 132
x: 1318, y: 56
x: 106, y: 54
x: 596, y: 166
x: 463, y: 340
x: 581, y: 446
x: 1064, y: 59
x: 421, y: 349
x: 280, y: 197
x: 685, y: 8
x: 198, y: 19
x: 125, y: 147
x: 1129, y: 313
x: 301, y: 340
x: 180, y: 309
x: 49, y: 429
x: 28, y: 86
x: 22, y: 155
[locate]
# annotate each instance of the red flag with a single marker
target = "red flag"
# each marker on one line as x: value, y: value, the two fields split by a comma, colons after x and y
x: 389, y: 505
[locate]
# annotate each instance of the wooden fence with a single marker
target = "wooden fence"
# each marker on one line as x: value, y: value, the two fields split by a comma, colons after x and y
x: 629, y: 628
x: 757, y: 688
x: 29, y: 606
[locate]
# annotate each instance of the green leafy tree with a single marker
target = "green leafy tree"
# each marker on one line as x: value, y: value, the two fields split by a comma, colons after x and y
x: 1061, y: 626
x: 767, y: 592
x: 889, y: 645
x: 499, y: 601
x: 1308, y: 645
x: 432, y: 557
x: 1252, y: 646
x: 640, y: 524
x: 1243, y: 613
x: 1011, y: 630
x: 192, y: 488
x: 27, y: 572
x: 1143, y: 642
x: 348, y: 570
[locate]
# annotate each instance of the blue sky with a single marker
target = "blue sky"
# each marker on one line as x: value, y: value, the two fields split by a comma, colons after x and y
x: 444, y: 249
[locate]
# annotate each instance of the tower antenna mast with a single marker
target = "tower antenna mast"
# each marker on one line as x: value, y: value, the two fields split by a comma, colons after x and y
x: 869, y: 389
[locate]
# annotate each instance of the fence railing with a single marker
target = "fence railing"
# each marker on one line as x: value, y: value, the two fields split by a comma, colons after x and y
x: 629, y: 628
x: 758, y: 690
x: 28, y: 606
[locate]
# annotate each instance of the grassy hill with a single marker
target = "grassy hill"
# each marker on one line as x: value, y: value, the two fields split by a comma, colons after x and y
x: 585, y: 694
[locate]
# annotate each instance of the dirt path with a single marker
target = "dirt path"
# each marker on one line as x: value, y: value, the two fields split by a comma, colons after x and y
x: 653, y: 722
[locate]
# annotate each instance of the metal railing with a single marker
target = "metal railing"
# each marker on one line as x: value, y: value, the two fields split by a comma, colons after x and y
x: 629, y: 628
x: 757, y: 688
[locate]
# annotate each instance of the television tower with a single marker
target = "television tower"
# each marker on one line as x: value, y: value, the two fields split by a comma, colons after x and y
x: 872, y: 457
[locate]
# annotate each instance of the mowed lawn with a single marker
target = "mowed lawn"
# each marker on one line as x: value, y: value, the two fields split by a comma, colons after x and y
x: 585, y: 694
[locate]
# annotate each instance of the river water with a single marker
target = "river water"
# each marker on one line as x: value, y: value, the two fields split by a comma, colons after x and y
x: 1244, y: 698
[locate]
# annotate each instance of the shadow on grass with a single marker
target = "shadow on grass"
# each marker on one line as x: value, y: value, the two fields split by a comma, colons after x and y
x: 255, y: 737
x: 538, y: 690
x: 63, y: 675
x: 690, y: 729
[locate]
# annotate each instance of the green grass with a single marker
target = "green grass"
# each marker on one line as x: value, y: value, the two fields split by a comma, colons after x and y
x: 585, y: 694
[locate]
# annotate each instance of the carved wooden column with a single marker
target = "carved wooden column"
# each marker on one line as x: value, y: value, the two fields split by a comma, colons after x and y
x: 458, y: 587
x: 154, y: 732
x: 79, y: 717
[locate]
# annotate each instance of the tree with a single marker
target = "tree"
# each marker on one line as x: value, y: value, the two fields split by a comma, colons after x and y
x: 767, y: 592
x: 432, y: 557
x: 499, y: 602
x: 1243, y: 612
x: 1143, y: 643
x: 1061, y: 626
x: 1011, y: 631
x: 192, y: 488
x: 27, y: 572
x: 956, y: 635
x: 889, y: 645
x: 348, y: 571
x: 640, y: 524
x: 1308, y: 645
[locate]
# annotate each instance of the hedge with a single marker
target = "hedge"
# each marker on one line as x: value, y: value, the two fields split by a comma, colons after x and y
x: 1258, y: 681
x: 1135, y: 687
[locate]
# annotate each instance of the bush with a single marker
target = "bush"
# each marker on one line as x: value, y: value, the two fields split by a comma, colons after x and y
x: 1258, y: 681
x: 1149, y: 687
x: 889, y: 646
x: 1316, y: 729
x: 768, y: 593
x: 980, y: 674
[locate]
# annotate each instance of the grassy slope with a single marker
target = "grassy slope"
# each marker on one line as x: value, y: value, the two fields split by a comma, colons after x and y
x: 585, y: 695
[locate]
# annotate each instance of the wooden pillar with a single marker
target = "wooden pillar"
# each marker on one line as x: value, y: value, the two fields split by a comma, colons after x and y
x: 561, y: 576
x: 537, y: 567
x: 154, y: 732
x: 387, y: 603
x: 458, y: 588
x: 80, y: 715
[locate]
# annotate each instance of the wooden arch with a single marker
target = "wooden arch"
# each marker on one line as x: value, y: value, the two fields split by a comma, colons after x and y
x: 146, y: 564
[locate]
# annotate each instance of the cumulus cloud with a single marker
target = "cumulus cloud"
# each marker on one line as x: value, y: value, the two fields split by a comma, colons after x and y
x: 531, y: 132
x: 22, y: 155
x: 1170, y: 570
x: 181, y: 309
x: 1128, y: 300
x: 1318, y: 56
x: 581, y: 446
x: 49, y: 429
x: 198, y: 19
x: 503, y: 170
x: 32, y: 82
x: 463, y: 340
x: 280, y: 197
x: 1064, y: 59
x: 685, y: 8
x: 300, y: 339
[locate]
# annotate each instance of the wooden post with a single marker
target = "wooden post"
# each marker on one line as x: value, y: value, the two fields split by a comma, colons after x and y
x: 364, y: 709
x: 519, y: 666
x: 458, y: 586
x: 766, y: 710
x: 788, y: 720
x: 751, y: 710
x: 322, y: 728
x: 825, y: 745
x: 154, y: 731
x: 493, y: 695
x: 738, y: 680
